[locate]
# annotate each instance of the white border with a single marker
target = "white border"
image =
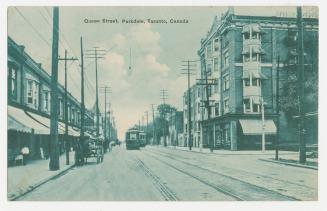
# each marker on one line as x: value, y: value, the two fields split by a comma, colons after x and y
x: 267, y: 206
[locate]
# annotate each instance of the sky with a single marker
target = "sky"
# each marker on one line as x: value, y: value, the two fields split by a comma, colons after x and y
x: 157, y: 50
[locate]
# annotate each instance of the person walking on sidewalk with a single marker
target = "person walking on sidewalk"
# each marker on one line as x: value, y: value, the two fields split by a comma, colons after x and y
x: 25, y: 152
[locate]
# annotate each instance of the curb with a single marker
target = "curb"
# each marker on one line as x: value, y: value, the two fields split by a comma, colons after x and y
x: 215, y: 153
x: 38, y: 184
x: 289, y: 164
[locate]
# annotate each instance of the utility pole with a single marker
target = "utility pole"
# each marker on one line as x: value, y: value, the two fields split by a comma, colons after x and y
x: 207, y: 83
x: 54, y: 145
x: 301, y: 85
x: 147, y: 125
x: 82, y: 103
x: 154, y: 125
x: 106, y: 90
x: 66, y: 105
x: 277, y: 110
x: 164, y: 95
x: 189, y: 64
x: 109, y: 121
x: 96, y: 54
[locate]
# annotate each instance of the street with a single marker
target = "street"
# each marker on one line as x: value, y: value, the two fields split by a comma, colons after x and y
x: 166, y: 174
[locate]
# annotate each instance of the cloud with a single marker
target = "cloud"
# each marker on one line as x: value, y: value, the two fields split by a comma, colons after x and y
x: 119, y: 40
x: 144, y: 40
x: 149, y: 65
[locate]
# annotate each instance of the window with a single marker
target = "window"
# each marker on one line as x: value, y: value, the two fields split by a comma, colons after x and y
x: 246, y: 36
x: 226, y: 59
x: 32, y: 93
x: 246, y: 57
x: 247, y: 106
x: 226, y: 82
x: 256, y: 107
x: 209, y: 50
x: 69, y: 111
x: 29, y: 91
x: 246, y: 82
x: 60, y: 107
x: 46, y: 100
x: 255, y: 35
x: 199, y: 92
x: 217, y: 109
x: 209, y: 90
x: 256, y: 82
x: 209, y: 69
x: 216, y: 45
x: 13, y: 82
x: 199, y: 106
x: 255, y: 57
x: 215, y: 64
x: 226, y: 105
x: 72, y: 117
x: 36, y: 95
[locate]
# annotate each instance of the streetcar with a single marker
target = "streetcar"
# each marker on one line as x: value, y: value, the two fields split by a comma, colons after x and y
x: 135, y: 139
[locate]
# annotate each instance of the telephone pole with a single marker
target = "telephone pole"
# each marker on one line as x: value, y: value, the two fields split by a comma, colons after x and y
x: 190, y: 71
x: 154, y: 126
x: 109, y: 122
x: 207, y: 83
x: 82, y: 103
x: 147, y: 125
x: 96, y: 54
x: 66, y: 104
x: 301, y: 85
x: 54, y: 145
x: 106, y: 90
x: 164, y: 96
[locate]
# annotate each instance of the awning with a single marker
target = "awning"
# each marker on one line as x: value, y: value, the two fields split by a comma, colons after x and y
x: 256, y: 100
x: 246, y: 75
x: 254, y: 127
x: 45, y: 121
x: 246, y: 29
x: 71, y: 131
x: 255, y: 28
x: 13, y: 124
x: 20, y: 121
x: 246, y: 51
x: 257, y: 49
x: 259, y: 75
x: 74, y: 131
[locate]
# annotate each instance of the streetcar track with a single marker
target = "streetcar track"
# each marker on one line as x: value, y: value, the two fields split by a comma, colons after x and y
x: 247, y: 172
x: 217, y: 188
x: 165, y: 191
x: 290, y: 198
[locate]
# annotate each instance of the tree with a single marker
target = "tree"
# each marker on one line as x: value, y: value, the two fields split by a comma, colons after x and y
x: 162, y: 122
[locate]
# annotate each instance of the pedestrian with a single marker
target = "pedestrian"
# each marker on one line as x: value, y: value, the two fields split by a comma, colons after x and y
x: 25, y: 152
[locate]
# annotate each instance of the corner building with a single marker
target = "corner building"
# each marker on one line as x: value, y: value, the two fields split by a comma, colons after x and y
x: 240, y: 55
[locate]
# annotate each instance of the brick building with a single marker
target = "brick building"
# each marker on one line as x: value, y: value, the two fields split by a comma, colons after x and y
x: 240, y: 55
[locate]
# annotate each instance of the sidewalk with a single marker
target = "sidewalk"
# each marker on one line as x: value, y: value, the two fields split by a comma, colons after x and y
x: 22, y: 179
x: 285, y: 157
